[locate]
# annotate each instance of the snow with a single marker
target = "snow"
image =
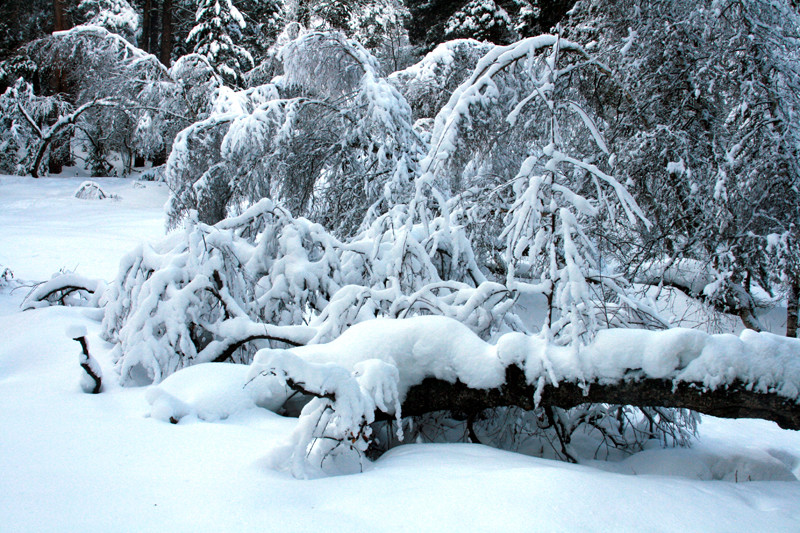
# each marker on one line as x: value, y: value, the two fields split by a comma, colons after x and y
x: 78, y: 462
x: 75, y: 331
x: 423, y: 346
x: 208, y: 391
x: 691, y: 274
x: 88, y: 238
x: 90, y: 190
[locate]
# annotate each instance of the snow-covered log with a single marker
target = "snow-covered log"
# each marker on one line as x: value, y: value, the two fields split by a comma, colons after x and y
x: 736, y: 400
x: 428, y: 363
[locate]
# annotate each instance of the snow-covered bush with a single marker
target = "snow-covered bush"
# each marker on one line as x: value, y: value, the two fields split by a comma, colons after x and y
x: 196, y: 296
x: 514, y: 197
x: 700, y: 99
x: 326, y: 139
x: 110, y: 83
x: 117, y: 16
x: 185, y: 96
x: 525, y: 163
x: 428, y: 84
x: 65, y: 288
x: 24, y: 117
x: 126, y: 102
x: 205, y: 292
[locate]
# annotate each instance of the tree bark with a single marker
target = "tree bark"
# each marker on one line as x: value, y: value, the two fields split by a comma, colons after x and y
x: 166, y: 33
x: 736, y: 401
x: 59, y: 16
x: 155, y: 13
x: 60, y: 156
x: 792, y: 307
x: 146, y: 26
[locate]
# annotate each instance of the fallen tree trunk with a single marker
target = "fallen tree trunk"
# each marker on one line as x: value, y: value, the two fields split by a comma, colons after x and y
x: 734, y: 401
x: 393, y: 369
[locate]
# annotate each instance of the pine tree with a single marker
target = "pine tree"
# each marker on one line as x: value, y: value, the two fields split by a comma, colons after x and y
x: 218, y: 27
x: 483, y: 20
x: 265, y: 19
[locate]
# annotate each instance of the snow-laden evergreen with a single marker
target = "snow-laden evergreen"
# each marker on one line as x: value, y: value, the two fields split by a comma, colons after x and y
x: 215, y: 37
x: 117, y: 16
x: 483, y: 20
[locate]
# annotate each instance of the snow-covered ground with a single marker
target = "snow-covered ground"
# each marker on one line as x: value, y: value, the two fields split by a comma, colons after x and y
x: 77, y: 462
x: 45, y: 228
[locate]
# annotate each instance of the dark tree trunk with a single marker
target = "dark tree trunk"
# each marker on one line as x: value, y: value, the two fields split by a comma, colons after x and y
x: 166, y: 33
x: 155, y: 13
x: 160, y: 158
x: 60, y: 156
x: 735, y: 401
x: 146, y: 26
x: 792, y: 307
x: 59, y: 16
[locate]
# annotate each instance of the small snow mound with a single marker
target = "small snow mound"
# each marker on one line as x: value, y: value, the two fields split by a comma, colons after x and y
x: 209, y: 391
x: 75, y: 331
x: 90, y: 190
x: 732, y: 465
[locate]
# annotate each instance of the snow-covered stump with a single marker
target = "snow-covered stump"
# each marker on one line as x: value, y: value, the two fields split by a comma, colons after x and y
x: 91, y: 190
x: 92, y: 379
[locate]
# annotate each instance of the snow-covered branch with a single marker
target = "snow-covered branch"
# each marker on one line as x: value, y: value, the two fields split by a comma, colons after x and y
x: 435, y: 364
x: 68, y: 288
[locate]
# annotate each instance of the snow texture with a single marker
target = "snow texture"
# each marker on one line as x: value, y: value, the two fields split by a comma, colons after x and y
x: 210, y: 392
x: 75, y: 331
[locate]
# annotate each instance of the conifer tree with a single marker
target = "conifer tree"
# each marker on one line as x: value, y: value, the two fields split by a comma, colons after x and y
x: 218, y: 27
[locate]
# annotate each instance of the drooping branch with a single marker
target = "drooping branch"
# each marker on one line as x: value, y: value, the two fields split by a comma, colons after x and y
x: 236, y: 332
x: 62, y: 124
x: 735, y: 401
x: 227, y: 347
x: 60, y: 287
